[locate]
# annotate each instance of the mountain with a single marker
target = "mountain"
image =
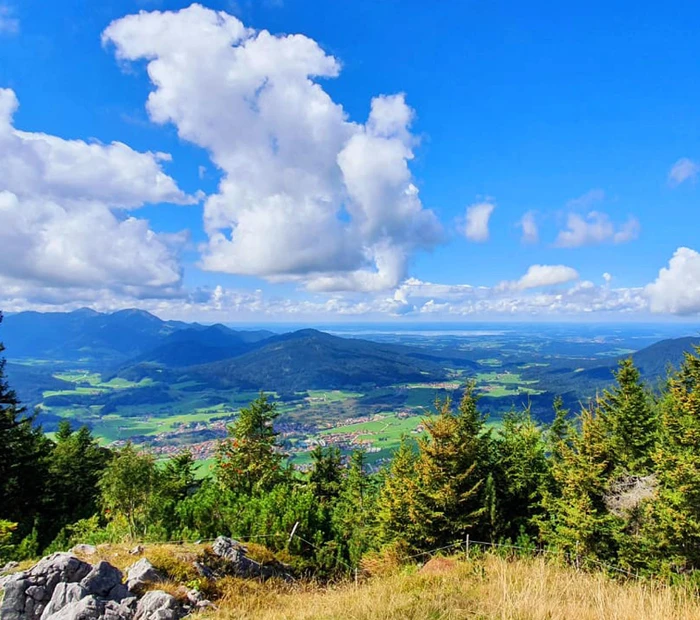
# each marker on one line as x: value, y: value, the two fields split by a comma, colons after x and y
x: 585, y: 380
x: 308, y: 359
x: 84, y: 334
x: 653, y: 361
x: 197, y: 345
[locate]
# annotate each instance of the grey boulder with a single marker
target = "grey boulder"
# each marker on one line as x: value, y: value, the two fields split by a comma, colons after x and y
x: 140, y: 574
x: 102, y: 579
x: 158, y: 605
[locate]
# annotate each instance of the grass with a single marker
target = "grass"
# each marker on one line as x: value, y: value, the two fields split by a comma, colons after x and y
x: 489, y: 588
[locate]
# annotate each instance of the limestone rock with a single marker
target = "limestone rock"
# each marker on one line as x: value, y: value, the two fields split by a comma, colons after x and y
x: 158, y: 605
x: 64, y: 594
x: 101, y: 579
x: 141, y: 573
x: 88, y: 608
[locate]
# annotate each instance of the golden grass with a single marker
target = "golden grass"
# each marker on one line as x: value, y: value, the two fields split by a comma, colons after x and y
x: 487, y: 588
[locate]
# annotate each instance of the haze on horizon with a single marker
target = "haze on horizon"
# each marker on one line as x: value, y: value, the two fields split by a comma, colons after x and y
x: 305, y: 162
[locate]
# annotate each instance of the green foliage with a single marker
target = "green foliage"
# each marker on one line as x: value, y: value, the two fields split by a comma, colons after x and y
x: 128, y: 485
x: 249, y: 461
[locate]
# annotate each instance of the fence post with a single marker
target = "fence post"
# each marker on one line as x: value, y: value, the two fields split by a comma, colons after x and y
x: 466, y: 547
x: 578, y: 563
x: 356, y: 577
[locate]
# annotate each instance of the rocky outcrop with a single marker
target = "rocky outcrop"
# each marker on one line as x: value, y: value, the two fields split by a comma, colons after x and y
x: 230, y: 558
x: 141, y: 574
x: 63, y: 587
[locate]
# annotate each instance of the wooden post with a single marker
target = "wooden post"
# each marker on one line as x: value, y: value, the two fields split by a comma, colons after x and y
x: 466, y: 547
x: 356, y: 577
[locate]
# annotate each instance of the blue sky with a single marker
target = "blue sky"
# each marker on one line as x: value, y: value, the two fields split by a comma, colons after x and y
x: 378, y: 166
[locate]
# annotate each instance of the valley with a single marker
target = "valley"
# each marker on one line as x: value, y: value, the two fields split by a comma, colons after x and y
x: 166, y: 385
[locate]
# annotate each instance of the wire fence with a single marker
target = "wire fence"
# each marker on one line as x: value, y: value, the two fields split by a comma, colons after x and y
x: 466, y: 545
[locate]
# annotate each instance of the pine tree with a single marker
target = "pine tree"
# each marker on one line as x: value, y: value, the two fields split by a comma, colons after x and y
x: 353, y: 515
x: 522, y: 472
x: 672, y: 527
x: 24, y: 454
x: 632, y: 421
x: 577, y: 520
x: 450, y: 472
x: 75, y: 468
x: 250, y: 460
x: 326, y: 473
x: 398, y: 515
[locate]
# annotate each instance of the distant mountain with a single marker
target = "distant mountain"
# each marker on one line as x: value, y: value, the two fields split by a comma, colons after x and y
x: 197, y: 345
x: 653, y: 361
x: 309, y: 359
x: 84, y: 334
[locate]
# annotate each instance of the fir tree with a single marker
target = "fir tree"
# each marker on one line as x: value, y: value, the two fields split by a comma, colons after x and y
x: 631, y: 420
x: 24, y: 459
x: 450, y: 472
x: 250, y: 460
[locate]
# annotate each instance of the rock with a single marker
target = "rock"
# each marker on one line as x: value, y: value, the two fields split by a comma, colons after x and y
x: 64, y: 594
x: 137, y: 550
x: 235, y: 553
x: 119, y: 592
x: 38, y: 593
x: 13, y: 602
x: 141, y: 573
x: 116, y: 611
x: 84, y: 549
x: 9, y: 567
x: 88, y: 608
x: 101, y: 579
x: 204, y: 571
x: 158, y: 605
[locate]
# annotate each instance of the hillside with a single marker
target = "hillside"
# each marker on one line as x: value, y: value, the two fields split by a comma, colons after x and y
x: 194, y: 346
x: 309, y: 359
x: 84, y: 334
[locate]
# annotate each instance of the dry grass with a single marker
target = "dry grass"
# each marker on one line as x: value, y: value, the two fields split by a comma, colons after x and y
x: 488, y: 588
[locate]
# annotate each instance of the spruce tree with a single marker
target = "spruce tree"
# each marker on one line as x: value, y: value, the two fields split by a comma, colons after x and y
x: 250, y: 459
x: 632, y: 421
x: 450, y: 472
x: 398, y: 513
x: 522, y: 472
x: 24, y: 454
x: 672, y: 529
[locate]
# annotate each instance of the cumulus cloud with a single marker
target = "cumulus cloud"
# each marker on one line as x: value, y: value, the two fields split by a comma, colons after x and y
x: 538, y: 276
x: 114, y: 174
x: 683, y: 170
x: 528, y: 224
x: 676, y: 290
x: 62, y: 208
x: 595, y: 228
x: 306, y: 195
x: 9, y: 24
x: 477, y: 217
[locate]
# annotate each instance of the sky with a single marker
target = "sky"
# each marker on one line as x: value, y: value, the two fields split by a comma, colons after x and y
x: 301, y: 161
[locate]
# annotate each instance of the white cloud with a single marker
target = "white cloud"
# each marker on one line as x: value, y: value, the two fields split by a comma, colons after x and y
x: 676, y: 290
x: 8, y: 23
x: 306, y: 195
x: 40, y: 164
x: 538, y: 276
x: 476, y: 227
x: 683, y: 170
x: 528, y: 224
x: 587, y: 200
x: 595, y: 228
x: 62, y: 211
